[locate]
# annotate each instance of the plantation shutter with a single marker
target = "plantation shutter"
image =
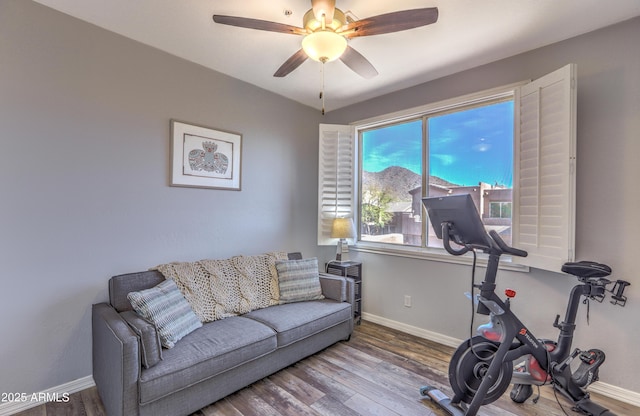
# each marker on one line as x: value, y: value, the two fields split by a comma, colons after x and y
x: 335, y: 178
x: 544, y: 185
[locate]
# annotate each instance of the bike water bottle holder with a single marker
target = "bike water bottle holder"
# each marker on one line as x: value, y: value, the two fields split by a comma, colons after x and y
x: 598, y: 296
x: 618, y: 290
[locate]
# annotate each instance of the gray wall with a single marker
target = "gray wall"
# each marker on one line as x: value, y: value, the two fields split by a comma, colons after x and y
x: 84, y: 161
x: 608, y: 203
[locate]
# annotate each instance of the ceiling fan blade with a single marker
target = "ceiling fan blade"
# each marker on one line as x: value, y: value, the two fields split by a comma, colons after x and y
x: 358, y: 63
x: 258, y: 24
x: 292, y: 63
x: 391, y: 22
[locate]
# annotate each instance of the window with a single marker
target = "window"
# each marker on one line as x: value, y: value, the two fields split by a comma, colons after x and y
x: 468, y: 149
x: 512, y: 149
x: 500, y: 210
x: 391, y: 182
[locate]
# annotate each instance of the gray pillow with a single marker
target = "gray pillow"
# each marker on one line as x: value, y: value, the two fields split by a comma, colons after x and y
x: 149, y: 339
x: 299, y: 280
x: 167, y: 309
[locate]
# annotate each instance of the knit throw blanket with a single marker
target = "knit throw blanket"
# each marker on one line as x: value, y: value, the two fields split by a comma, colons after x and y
x: 217, y: 289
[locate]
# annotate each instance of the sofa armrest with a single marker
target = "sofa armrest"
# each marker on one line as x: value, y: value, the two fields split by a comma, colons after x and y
x: 116, y: 361
x: 338, y: 288
x: 333, y: 287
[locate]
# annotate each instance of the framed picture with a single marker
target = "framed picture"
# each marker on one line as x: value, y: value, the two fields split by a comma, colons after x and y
x: 205, y: 158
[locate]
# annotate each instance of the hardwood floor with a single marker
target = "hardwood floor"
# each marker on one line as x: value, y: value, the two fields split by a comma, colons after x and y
x: 378, y: 372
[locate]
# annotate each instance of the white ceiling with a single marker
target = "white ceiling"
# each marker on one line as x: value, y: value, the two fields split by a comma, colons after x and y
x: 468, y: 33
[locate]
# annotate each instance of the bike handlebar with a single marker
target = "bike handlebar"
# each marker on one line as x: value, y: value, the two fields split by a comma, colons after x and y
x: 446, y: 231
x: 504, y: 247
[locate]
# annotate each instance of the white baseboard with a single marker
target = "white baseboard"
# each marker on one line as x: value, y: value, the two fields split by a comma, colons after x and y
x: 608, y: 390
x: 413, y: 330
x: 23, y: 401
x: 616, y: 393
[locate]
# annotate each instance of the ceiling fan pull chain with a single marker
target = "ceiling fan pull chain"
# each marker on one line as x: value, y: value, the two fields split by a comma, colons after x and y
x: 322, y: 87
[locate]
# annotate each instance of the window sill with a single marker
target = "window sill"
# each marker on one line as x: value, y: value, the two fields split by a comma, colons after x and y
x: 434, y: 254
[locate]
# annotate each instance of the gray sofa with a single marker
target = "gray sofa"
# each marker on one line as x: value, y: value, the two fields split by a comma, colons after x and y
x: 215, y: 360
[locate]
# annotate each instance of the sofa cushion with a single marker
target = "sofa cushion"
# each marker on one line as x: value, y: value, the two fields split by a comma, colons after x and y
x: 167, y: 309
x: 151, y: 351
x: 216, y: 347
x: 299, y: 280
x: 294, y: 321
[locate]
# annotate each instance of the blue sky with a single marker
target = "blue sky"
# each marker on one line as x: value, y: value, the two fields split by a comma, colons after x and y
x: 466, y: 147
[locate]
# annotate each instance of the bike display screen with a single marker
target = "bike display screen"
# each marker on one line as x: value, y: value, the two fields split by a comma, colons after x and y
x: 462, y: 214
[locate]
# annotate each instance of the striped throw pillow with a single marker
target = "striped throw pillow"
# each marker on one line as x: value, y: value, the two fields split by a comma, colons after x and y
x: 167, y: 309
x: 298, y: 280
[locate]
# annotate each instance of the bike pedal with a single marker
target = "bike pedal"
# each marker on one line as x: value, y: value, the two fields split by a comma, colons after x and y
x: 587, y: 372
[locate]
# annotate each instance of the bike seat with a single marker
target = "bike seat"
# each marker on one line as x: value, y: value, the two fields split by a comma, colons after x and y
x: 586, y: 269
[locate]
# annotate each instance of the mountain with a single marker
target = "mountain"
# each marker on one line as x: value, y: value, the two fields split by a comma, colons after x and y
x: 397, y: 181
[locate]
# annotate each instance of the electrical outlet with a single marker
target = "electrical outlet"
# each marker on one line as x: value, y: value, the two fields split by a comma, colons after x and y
x: 407, y: 301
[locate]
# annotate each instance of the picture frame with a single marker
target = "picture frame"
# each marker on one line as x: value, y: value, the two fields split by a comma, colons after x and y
x: 203, y: 157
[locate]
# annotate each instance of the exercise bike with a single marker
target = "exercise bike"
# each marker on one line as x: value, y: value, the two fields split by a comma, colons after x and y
x: 506, y: 351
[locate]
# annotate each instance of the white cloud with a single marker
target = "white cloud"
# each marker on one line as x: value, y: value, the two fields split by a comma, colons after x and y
x: 445, y: 159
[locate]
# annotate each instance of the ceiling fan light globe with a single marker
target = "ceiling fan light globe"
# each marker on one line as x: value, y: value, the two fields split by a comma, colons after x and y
x: 324, y: 45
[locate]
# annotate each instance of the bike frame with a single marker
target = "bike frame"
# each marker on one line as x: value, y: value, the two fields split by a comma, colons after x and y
x: 520, y: 341
x: 458, y: 220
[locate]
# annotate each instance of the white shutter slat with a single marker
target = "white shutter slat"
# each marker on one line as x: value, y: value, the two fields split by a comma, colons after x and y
x: 544, y: 192
x: 335, y: 178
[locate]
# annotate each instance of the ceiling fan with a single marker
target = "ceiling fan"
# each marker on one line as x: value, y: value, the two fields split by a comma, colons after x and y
x: 326, y: 30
